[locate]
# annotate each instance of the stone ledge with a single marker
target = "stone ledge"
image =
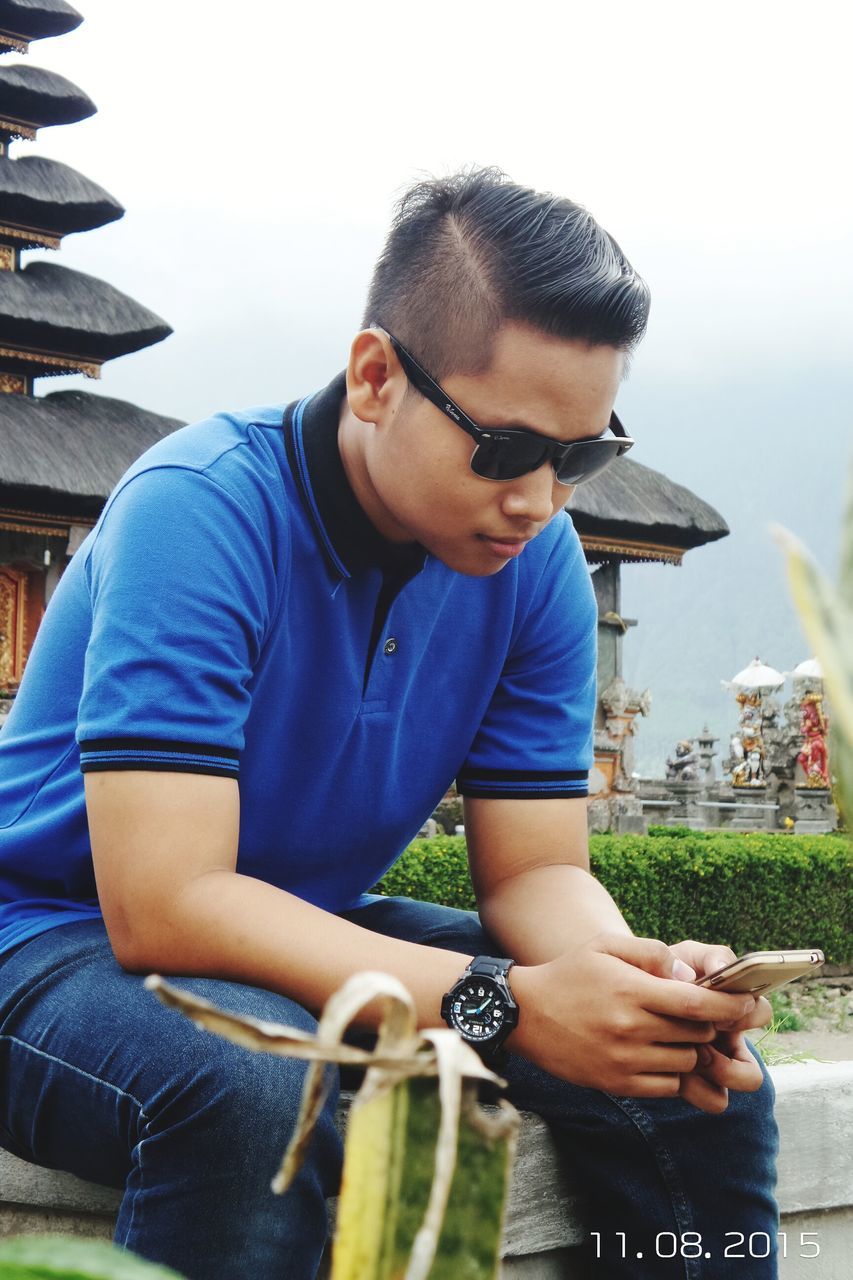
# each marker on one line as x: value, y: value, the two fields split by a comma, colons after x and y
x: 814, y: 1108
x: 545, y: 1217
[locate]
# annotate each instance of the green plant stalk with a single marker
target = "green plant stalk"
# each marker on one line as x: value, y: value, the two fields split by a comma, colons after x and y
x: 388, y: 1172
x: 426, y: 1170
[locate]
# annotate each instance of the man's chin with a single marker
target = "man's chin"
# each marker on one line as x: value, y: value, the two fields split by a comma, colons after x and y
x: 472, y: 566
x: 471, y: 572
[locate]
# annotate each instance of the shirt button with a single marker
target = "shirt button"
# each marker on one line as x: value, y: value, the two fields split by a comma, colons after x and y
x: 390, y: 646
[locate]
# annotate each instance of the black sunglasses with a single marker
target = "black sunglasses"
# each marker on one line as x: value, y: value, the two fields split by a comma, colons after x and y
x: 505, y: 453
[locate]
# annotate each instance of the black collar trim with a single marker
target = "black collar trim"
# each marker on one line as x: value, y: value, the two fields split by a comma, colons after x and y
x: 346, y: 536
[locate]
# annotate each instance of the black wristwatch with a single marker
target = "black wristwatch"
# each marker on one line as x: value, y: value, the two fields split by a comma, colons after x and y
x: 481, y: 1006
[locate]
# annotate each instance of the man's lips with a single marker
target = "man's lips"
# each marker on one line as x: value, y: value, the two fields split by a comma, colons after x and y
x: 504, y: 547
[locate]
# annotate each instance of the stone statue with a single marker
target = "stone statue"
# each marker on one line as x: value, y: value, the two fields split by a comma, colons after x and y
x: 813, y: 758
x: 705, y: 751
x: 684, y: 765
x: 748, y: 743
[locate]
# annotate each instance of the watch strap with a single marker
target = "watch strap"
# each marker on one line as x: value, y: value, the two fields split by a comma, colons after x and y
x: 490, y: 967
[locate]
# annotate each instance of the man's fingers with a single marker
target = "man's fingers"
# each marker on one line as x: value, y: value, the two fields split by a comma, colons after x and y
x: 648, y: 1085
x: 668, y: 1058
x: 672, y: 999
x: 675, y: 1030
x: 649, y: 954
x: 686, y: 1000
x: 701, y: 957
x: 757, y: 1017
x: 703, y: 1094
x: 734, y: 1064
x: 727, y: 1064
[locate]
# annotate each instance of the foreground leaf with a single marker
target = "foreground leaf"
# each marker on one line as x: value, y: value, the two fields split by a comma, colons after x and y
x: 828, y: 623
x: 846, y: 576
x: 69, y: 1258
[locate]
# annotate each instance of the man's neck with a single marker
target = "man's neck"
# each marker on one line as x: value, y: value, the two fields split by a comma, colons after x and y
x: 352, y: 443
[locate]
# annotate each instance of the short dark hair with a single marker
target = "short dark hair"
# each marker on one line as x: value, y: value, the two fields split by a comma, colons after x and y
x: 467, y: 252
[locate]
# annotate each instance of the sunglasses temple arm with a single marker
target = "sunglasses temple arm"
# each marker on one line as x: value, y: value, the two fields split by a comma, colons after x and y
x: 620, y: 433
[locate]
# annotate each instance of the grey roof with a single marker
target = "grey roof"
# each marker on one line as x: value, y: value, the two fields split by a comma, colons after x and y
x: 44, y: 195
x: 68, y: 450
x: 39, y: 98
x: 636, y: 503
x: 50, y: 308
x: 34, y: 19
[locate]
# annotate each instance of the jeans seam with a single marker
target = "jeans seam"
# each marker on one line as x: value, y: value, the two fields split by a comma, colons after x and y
x: 106, y: 1084
x: 136, y: 1193
x: 669, y: 1172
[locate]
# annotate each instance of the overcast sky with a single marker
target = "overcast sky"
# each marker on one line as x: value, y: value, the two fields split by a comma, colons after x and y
x: 259, y: 147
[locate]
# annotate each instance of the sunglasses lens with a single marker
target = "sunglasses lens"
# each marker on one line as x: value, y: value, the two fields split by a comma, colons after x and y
x: 586, y: 459
x: 508, y: 457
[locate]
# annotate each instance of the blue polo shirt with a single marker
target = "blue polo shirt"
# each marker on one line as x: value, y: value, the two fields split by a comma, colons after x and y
x: 234, y: 612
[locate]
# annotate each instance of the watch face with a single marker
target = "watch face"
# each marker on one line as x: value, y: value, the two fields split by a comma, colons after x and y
x: 478, y: 1008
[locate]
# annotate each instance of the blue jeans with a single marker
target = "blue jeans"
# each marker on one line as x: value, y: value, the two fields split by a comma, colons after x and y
x: 97, y: 1077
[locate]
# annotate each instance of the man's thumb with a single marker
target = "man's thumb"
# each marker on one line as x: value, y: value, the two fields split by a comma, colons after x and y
x: 650, y: 954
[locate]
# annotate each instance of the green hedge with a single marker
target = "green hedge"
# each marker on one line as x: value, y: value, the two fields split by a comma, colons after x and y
x: 752, y: 891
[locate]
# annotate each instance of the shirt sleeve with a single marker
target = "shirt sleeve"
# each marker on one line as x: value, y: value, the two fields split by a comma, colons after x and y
x: 536, y: 738
x: 182, y: 590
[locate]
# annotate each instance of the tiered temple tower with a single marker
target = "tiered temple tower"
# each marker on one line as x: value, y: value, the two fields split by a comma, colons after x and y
x: 629, y: 514
x: 61, y: 454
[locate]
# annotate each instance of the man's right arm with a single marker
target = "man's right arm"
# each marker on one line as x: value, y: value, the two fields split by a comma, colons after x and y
x: 165, y: 852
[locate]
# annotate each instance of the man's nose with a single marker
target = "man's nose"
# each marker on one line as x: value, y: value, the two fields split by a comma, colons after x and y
x: 534, y: 496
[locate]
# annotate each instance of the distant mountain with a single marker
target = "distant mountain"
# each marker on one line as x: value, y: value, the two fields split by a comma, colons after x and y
x: 777, y: 448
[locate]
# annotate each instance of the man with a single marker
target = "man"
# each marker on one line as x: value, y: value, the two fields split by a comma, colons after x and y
x: 286, y: 635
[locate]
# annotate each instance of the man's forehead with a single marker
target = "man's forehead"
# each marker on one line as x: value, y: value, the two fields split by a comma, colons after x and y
x: 554, y: 386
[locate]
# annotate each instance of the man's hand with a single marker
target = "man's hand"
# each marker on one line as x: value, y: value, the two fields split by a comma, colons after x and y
x: 608, y: 1016
x: 725, y: 1063
x: 625, y: 1025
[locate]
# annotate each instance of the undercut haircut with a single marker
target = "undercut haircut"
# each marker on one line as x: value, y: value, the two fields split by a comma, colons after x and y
x: 471, y: 251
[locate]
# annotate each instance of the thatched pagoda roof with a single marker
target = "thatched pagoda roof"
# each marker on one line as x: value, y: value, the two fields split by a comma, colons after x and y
x: 631, y: 512
x: 51, y: 309
x: 35, y: 19
x: 41, y: 195
x: 34, y: 98
x: 67, y: 451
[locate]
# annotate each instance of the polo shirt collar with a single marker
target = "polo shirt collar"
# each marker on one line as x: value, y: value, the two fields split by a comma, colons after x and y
x: 346, y: 536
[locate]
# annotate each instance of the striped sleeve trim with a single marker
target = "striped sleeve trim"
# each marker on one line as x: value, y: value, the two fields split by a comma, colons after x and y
x: 103, y: 754
x: 496, y: 784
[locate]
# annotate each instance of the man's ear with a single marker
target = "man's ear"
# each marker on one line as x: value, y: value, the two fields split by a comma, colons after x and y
x: 375, y: 381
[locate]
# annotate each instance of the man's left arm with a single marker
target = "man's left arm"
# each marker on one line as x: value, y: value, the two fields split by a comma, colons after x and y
x: 530, y: 870
x: 537, y: 898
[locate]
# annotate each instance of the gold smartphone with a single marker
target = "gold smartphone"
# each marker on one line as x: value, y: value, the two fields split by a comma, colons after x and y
x: 761, y: 971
